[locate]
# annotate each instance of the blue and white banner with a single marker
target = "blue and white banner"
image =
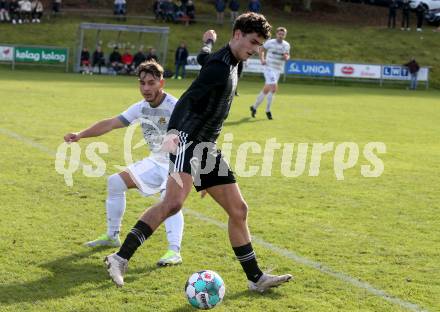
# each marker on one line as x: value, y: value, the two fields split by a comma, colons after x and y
x: 191, y: 63
x: 309, y: 68
x: 253, y: 65
x: 396, y: 72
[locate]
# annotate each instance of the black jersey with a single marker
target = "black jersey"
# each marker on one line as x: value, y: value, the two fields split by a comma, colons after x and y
x: 202, y: 109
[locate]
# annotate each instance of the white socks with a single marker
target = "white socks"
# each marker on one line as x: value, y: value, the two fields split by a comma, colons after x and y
x: 174, y: 229
x: 115, y: 204
x: 269, y: 101
x: 259, y: 100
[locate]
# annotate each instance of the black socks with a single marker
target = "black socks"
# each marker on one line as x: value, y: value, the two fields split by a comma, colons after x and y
x: 138, y: 234
x: 246, y: 255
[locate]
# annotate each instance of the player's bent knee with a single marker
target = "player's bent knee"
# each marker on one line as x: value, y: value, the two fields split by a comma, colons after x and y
x: 115, y: 184
x: 239, y: 214
x: 173, y: 207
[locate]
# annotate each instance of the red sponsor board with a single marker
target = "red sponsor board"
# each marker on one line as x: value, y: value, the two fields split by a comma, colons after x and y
x: 347, y: 70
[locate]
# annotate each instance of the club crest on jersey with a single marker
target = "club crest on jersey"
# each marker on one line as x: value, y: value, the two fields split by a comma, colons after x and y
x: 162, y: 120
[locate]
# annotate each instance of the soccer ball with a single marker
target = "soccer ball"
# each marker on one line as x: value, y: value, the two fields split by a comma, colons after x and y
x: 205, y: 289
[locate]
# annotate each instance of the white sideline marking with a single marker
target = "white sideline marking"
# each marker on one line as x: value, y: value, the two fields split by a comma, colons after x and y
x: 278, y: 250
x: 316, y: 265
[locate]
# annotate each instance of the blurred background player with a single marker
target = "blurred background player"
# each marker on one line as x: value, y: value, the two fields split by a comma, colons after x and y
x: 150, y: 174
x: 273, y: 55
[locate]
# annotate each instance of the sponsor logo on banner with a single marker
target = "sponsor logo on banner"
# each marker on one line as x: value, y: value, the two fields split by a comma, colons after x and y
x: 253, y: 65
x: 358, y: 71
x: 396, y: 72
x: 309, y: 68
x: 347, y: 70
x: 40, y: 55
x: 6, y: 53
x: 191, y: 63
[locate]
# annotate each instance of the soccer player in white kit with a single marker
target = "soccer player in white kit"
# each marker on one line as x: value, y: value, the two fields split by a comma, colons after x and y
x: 150, y: 174
x: 273, y: 55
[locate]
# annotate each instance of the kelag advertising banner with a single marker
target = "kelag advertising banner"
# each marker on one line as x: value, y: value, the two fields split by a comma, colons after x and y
x: 40, y: 55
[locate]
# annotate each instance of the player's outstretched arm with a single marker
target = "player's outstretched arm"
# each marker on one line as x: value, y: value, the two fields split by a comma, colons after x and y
x: 98, y: 129
x: 209, y: 38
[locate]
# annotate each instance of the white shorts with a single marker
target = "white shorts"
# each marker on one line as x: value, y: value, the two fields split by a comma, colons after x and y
x: 149, y: 176
x: 271, y: 76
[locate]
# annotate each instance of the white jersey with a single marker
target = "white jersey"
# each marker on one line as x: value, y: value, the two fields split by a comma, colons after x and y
x: 154, y: 123
x: 274, y: 54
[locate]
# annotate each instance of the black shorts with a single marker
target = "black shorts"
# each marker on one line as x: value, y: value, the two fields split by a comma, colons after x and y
x: 202, y: 161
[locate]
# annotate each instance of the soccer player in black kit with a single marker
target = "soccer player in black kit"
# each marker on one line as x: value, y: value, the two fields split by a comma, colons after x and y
x: 194, y: 127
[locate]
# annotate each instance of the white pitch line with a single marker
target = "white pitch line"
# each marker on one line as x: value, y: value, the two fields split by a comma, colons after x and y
x: 316, y: 265
x: 275, y: 249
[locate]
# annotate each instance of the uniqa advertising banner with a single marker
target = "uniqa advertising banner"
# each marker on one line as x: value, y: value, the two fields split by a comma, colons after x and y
x: 40, y: 55
x: 309, y: 68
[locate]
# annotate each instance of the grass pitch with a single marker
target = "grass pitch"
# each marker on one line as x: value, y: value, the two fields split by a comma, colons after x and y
x: 382, y: 231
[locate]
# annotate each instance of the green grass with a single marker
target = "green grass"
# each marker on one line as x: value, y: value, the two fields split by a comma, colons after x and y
x: 315, y: 41
x: 383, y: 231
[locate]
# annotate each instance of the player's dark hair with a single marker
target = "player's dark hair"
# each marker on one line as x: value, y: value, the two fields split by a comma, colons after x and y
x: 150, y: 67
x: 251, y: 22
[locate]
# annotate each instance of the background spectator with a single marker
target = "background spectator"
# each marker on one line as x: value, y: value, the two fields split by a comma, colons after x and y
x: 4, y: 11
x: 413, y: 68
x: 139, y: 57
x: 120, y: 8
x: 14, y: 11
x: 420, y: 13
x: 157, y: 10
x: 392, y: 11
x: 190, y: 11
x: 127, y: 61
x: 181, y: 12
x: 220, y: 7
x: 25, y: 11
x: 37, y: 11
x: 152, y: 55
x: 85, y: 61
x: 234, y: 6
x: 168, y: 10
x: 56, y: 6
x: 98, y: 58
x: 254, y: 6
x: 405, y: 15
x: 115, y: 60
x: 181, y: 57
